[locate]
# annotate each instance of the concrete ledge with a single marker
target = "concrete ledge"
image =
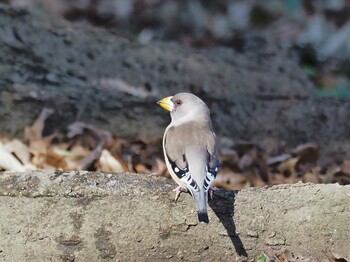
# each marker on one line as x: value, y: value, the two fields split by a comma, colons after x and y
x: 94, y: 216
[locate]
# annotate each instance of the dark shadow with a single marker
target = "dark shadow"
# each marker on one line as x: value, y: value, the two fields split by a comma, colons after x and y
x: 223, y: 207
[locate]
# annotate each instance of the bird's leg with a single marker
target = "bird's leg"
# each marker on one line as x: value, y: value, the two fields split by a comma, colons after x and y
x: 210, y: 192
x: 178, y: 191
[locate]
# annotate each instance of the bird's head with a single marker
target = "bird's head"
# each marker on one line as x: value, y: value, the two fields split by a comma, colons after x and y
x: 184, y: 105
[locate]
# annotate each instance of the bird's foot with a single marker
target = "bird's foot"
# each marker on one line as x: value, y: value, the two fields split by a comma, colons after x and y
x: 210, y: 192
x: 178, y: 191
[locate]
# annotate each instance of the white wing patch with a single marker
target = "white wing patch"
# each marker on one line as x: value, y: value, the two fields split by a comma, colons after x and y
x: 209, y: 178
x: 184, y: 175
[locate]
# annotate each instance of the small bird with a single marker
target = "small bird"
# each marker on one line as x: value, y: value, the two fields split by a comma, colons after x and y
x: 189, y: 148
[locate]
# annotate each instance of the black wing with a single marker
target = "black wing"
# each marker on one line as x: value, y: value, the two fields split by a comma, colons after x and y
x: 211, y: 173
x: 184, y: 175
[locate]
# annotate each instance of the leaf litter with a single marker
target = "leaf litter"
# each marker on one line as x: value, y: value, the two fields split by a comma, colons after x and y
x: 242, y: 164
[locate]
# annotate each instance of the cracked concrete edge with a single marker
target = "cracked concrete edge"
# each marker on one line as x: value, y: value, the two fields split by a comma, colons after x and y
x: 309, y: 220
x: 80, y: 184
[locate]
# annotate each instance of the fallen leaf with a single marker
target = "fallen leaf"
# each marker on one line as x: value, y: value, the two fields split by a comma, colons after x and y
x: 39, y: 146
x: 288, y: 167
x: 248, y: 159
x: 109, y: 163
x: 8, y: 161
x: 21, y: 151
x: 311, y: 177
x: 345, y: 166
x: 262, y: 258
x: 49, y: 161
x: 159, y: 167
x: 34, y: 132
x: 309, y: 152
x: 278, y: 159
x: 229, y: 180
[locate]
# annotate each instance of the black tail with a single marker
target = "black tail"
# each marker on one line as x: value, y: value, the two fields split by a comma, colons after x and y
x: 203, y: 217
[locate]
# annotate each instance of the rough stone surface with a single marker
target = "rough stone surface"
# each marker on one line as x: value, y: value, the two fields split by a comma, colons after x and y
x: 307, y: 219
x: 80, y: 216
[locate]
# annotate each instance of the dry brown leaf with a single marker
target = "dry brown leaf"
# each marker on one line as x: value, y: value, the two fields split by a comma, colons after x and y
x: 242, y: 164
x: 71, y: 157
x: 248, y: 159
x: 289, y: 167
x: 341, y: 178
x: 49, y: 161
x: 345, y: 167
x: 253, y: 176
x: 72, y: 154
x: 159, y: 167
x: 141, y: 168
x: 278, y: 159
x: 34, y: 132
x: 263, y: 169
x: 328, y: 177
x: 56, y: 161
x: 39, y: 146
x: 76, y: 153
x: 109, y: 163
x: 21, y: 151
x: 310, y: 177
x: 93, y: 156
x: 8, y: 161
x: 229, y: 180
x: 230, y: 156
x: 98, y: 139
x: 309, y: 152
x: 277, y: 178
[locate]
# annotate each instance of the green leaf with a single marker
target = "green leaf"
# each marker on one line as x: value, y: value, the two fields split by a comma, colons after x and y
x: 262, y: 258
x: 309, y: 70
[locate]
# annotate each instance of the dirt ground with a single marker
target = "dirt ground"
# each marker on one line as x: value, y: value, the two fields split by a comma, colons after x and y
x: 92, y: 75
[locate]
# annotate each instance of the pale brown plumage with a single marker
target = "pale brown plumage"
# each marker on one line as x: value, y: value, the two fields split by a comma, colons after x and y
x: 196, y: 136
x: 189, y: 147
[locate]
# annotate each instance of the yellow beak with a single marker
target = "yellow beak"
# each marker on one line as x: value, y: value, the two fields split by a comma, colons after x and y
x: 166, y: 103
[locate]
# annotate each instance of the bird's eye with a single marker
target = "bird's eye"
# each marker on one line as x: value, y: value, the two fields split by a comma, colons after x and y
x: 178, y: 102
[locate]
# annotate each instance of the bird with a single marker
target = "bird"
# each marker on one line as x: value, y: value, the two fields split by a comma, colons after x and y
x: 190, y: 149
